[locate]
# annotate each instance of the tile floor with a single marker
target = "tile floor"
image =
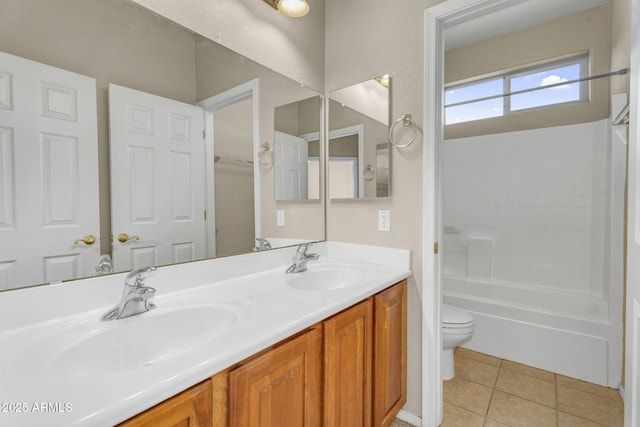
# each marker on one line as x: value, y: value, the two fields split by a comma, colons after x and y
x: 400, y: 423
x: 492, y: 392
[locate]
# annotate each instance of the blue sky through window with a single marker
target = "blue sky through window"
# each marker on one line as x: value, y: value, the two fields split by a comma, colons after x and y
x: 497, y: 107
x: 554, y: 95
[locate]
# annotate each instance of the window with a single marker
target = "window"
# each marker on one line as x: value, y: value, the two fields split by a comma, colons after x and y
x: 518, y: 91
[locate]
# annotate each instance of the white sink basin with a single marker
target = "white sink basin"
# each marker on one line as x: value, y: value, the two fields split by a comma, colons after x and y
x: 320, y: 277
x: 91, y: 347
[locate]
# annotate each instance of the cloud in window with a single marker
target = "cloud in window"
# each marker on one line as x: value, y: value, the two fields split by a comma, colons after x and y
x: 554, y: 79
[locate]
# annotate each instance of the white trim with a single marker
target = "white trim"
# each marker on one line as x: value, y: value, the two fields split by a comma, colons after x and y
x: 633, y: 233
x: 635, y: 353
x: 436, y: 19
x: 621, y: 392
x: 239, y: 93
x: 409, y: 418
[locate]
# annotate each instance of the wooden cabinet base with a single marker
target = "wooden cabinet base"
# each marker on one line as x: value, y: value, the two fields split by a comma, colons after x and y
x: 348, y: 367
x: 390, y: 353
x: 191, y: 408
x: 280, y: 388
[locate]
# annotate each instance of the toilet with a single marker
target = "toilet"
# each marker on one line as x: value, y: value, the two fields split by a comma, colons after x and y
x: 457, y: 329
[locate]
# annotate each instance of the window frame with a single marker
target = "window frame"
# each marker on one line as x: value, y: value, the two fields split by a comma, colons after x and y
x: 584, y: 88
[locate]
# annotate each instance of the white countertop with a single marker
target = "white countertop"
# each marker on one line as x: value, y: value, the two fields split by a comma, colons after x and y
x: 31, y: 346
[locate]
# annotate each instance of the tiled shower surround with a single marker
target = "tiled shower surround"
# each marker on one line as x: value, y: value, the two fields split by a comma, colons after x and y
x: 528, y: 207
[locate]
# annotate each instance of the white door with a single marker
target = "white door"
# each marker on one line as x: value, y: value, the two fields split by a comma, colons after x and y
x: 632, y: 352
x: 48, y: 173
x: 157, y: 180
x: 343, y: 177
x: 291, y: 155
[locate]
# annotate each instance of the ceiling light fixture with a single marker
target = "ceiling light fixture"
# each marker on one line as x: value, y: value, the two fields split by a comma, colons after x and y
x: 383, y: 80
x: 290, y: 8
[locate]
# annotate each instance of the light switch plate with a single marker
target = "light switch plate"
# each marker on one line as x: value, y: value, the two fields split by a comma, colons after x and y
x: 280, y: 218
x: 384, y: 220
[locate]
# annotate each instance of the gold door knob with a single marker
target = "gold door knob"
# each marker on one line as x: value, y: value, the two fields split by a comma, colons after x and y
x: 124, y: 237
x: 89, y: 239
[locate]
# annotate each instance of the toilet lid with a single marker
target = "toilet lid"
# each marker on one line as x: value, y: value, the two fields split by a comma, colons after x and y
x: 454, y: 316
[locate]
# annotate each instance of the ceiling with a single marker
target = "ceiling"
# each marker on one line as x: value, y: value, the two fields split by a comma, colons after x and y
x: 511, y: 16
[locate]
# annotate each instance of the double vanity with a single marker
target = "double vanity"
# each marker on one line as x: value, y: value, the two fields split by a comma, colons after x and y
x: 227, y: 336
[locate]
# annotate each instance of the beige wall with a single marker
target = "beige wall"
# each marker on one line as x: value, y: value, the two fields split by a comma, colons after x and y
x: 293, y: 47
x: 620, y: 41
x: 234, y: 201
x: 582, y: 32
x: 386, y: 37
x: 121, y: 43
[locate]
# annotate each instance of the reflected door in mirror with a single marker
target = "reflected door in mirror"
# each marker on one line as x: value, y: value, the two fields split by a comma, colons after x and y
x: 157, y: 179
x: 48, y: 181
x: 297, y: 154
x: 291, y: 166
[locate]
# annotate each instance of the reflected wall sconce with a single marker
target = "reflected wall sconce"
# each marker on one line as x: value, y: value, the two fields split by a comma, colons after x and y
x: 290, y: 8
x: 265, y: 155
x: 383, y: 80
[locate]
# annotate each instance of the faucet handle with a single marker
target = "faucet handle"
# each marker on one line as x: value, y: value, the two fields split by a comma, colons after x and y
x: 261, y: 244
x: 138, y: 275
x: 303, y: 248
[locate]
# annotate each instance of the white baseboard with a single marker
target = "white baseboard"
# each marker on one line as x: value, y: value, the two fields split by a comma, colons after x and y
x: 621, y: 392
x: 409, y: 418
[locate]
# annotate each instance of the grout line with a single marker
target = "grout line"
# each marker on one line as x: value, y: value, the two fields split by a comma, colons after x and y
x: 493, y: 392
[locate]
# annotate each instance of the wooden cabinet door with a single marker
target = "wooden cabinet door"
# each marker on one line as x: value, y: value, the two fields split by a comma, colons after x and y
x: 191, y: 408
x: 348, y: 352
x: 390, y: 353
x: 280, y: 388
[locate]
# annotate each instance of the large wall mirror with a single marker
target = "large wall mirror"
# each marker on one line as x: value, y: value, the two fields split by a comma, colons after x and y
x: 359, y: 152
x: 103, y: 105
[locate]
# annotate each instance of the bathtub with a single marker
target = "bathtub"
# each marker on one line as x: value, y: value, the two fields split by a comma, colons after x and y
x: 567, y: 333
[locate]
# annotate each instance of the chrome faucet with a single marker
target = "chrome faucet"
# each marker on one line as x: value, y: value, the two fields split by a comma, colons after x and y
x: 135, y: 296
x: 261, y: 244
x: 104, y: 266
x: 300, y: 260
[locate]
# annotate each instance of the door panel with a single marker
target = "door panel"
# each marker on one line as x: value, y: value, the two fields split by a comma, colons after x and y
x: 157, y: 179
x: 390, y: 353
x: 291, y: 156
x: 48, y: 121
x: 281, y: 387
x: 348, y: 355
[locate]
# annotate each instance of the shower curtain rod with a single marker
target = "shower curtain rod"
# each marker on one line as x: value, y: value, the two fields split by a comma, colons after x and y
x: 232, y: 160
x: 619, y: 72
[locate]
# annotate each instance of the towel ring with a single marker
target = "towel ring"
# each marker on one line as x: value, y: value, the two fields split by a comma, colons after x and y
x: 407, y: 121
x: 265, y: 156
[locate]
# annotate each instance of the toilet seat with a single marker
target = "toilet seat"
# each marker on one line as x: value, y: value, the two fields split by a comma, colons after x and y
x: 454, y: 318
